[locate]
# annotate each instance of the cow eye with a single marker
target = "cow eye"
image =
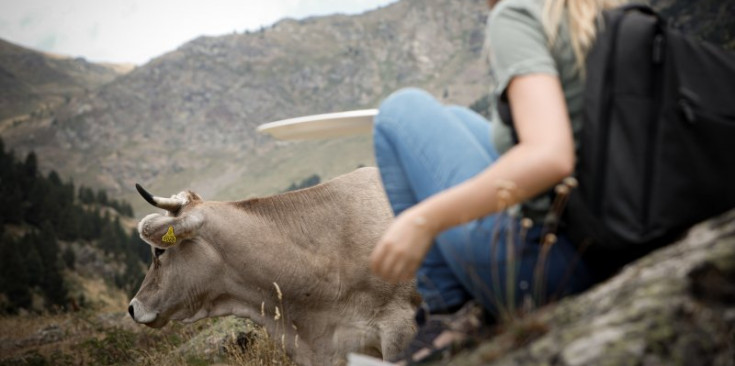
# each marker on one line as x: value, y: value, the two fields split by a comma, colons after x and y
x: 158, y: 251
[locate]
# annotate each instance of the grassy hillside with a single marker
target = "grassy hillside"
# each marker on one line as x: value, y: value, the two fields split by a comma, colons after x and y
x: 105, y: 335
x: 34, y: 83
x: 68, y: 268
x: 187, y: 119
x: 49, y: 227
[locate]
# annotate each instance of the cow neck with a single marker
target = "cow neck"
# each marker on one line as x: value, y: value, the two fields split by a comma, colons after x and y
x: 298, y: 233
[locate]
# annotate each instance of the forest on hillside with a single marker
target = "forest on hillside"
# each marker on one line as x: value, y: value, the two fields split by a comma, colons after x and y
x: 42, y: 218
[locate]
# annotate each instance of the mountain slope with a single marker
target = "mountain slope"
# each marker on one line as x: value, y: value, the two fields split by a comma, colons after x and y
x: 33, y: 81
x: 187, y: 118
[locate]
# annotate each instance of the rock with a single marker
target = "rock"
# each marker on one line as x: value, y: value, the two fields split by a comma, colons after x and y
x: 675, y: 306
x: 49, y: 334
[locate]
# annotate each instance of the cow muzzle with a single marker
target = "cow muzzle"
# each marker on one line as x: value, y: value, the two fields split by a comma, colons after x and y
x: 143, y: 315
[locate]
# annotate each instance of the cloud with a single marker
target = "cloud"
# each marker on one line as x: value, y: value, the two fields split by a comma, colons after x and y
x: 93, y: 31
x: 26, y: 22
x: 47, y: 43
x: 138, y: 30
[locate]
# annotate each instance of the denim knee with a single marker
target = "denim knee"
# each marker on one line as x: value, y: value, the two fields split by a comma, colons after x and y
x: 400, y: 108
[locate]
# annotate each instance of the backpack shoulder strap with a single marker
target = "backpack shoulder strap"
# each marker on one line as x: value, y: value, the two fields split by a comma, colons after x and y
x: 610, y: 20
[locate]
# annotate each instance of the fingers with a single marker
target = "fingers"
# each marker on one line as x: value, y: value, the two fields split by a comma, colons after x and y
x: 380, y: 262
x: 392, y: 263
x: 386, y: 262
x: 398, y: 254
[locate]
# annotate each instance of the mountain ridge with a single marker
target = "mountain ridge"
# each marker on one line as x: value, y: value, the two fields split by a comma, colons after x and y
x: 31, y: 79
x: 187, y: 118
x: 193, y: 111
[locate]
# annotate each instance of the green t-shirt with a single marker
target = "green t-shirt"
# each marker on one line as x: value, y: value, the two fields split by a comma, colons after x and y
x: 519, y: 46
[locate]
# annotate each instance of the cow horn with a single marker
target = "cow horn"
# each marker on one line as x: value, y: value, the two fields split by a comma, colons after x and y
x: 169, y: 204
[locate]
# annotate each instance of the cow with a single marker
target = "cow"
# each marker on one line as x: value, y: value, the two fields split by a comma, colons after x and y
x: 295, y: 263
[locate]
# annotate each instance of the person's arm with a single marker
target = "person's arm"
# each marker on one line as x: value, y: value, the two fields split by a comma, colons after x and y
x: 543, y: 157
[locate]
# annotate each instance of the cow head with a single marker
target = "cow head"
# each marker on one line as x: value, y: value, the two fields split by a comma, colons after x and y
x: 184, y: 266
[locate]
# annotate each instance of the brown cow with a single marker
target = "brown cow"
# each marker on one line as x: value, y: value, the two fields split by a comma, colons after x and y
x: 296, y: 263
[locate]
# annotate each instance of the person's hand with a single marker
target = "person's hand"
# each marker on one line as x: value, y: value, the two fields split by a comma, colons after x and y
x: 400, y: 251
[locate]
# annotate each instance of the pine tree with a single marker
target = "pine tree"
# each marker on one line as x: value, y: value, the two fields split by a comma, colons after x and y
x: 133, y: 275
x: 30, y: 167
x: 69, y: 226
x: 69, y: 190
x: 139, y: 247
x: 49, y: 204
x: 6, y: 165
x: 86, y: 195
x: 54, y: 178
x: 102, y: 197
x: 37, y: 198
x: 69, y: 258
x: 33, y: 262
x: 13, y: 275
x: 128, y: 211
x: 53, y: 285
x: 86, y: 225
x: 97, y: 222
x: 48, y: 247
x: 12, y: 208
x: 108, y: 239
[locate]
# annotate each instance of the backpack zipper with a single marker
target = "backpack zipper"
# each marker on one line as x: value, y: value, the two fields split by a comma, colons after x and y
x: 659, y: 49
x: 604, y: 116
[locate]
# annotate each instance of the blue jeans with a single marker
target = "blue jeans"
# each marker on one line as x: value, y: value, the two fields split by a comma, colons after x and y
x: 423, y: 147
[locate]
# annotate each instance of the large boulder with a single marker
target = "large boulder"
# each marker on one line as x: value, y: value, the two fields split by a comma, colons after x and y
x: 675, y: 306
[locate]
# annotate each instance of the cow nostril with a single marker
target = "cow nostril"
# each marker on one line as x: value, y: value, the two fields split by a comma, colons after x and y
x: 131, y: 311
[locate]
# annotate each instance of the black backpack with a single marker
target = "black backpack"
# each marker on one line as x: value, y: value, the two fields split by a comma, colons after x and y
x: 657, y: 149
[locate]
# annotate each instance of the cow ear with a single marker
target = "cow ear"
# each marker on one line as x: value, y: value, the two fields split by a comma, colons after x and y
x: 188, y: 225
x: 165, y: 231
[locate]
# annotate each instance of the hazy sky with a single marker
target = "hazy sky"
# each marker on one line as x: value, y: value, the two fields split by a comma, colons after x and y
x: 134, y: 31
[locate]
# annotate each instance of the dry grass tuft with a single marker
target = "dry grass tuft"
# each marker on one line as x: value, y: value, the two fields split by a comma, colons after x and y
x: 261, y: 350
x: 89, y: 338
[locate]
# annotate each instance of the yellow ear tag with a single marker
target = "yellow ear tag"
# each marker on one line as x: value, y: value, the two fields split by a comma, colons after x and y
x: 169, y: 237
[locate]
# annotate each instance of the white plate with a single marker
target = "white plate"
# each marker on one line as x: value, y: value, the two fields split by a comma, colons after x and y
x: 321, y: 126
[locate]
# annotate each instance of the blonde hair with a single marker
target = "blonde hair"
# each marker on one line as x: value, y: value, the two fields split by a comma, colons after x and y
x: 583, y: 16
